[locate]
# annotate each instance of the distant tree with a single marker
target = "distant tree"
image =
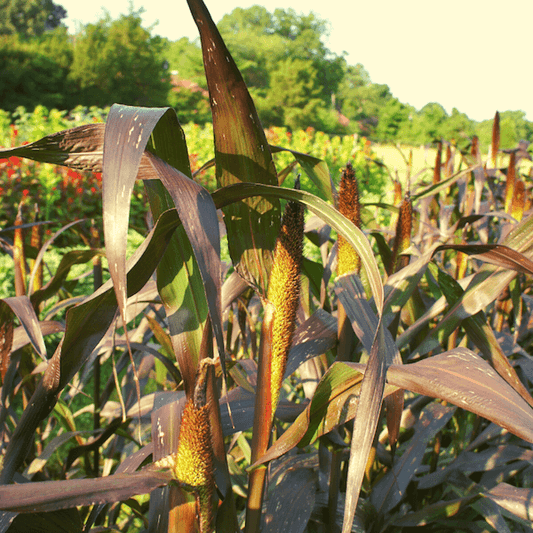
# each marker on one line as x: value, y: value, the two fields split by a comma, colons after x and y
x: 361, y: 100
x: 458, y: 127
x: 391, y: 118
x: 190, y: 105
x: 264, y: 44
x: 433, y: 118
x: 119, y: 61
x: 185, y: 57
x: 30, y: 77
x: 29, y: 18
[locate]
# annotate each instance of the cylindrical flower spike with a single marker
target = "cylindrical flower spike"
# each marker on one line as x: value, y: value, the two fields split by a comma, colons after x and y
x: 495, y: 144
x: 284, y: 291
x: 510, y: 182
x: 438, y: 164
x: 36, y: 242
x: 519, y: 200
x: 193, y: 466
x: 18, y: 255
x: 474, y: 150
x: 348, y: 258
x: 402, y: 239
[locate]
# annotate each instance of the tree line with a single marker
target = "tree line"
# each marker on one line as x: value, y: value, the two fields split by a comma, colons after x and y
x: 295, y: 80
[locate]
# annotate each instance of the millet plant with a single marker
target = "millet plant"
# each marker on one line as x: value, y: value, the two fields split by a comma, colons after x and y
x: 383, y: 387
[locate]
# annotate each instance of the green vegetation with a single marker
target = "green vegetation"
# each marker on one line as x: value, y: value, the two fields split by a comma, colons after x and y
x: 380, y: 383
x: 296, y: 82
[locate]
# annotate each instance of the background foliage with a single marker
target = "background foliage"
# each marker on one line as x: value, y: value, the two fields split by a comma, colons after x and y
x: 295, y: 80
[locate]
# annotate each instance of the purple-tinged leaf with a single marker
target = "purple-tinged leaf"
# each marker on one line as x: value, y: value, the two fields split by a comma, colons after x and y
x: 48, y: 327
x: 291, y: 503
x: 518, y: 501
x: 442, y: 510
x: 74, y: 257
x: 79, y: 148
x: 315, y: 336
x: 242, y: 154
x: 21, y: 306
x: 86, y: 324
x: 479, y: 461
x: 52, y: 495
x: 495, y: 254
x: 127, y: 132
x: 464, y: 379
x: 366, y: 421
x: 391, y: 488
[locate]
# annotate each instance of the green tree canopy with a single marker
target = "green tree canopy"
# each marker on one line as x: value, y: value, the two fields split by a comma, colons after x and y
x: 185, y: 57
x: 361, y: 100
x: 284, y: 51
x: 119, y: 61
x: 33, y: 73
x: 29, y: 18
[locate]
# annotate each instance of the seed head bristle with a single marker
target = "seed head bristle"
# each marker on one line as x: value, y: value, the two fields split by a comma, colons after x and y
x: 348, y: 258
x: 519, y: 200
x: 194, y: 464
x: 438, y: 165
x: 495, y: 145
x: 284, y: 291
x: 402, y: 239
x: 510, y: 182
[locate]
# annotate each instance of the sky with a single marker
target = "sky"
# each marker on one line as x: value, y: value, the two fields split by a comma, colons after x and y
x: 474, y: 55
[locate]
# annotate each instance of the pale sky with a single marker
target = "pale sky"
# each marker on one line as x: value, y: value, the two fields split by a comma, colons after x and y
x: 475, y: 55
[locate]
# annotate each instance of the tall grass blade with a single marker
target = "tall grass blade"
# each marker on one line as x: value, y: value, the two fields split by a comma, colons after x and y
x: 241, y: 153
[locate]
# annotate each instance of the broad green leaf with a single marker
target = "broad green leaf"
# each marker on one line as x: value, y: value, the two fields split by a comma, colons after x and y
x: 197, y: 242
x: 242, y: 155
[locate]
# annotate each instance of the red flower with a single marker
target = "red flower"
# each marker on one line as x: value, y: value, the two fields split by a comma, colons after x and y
x: 93, y: 189
x: 10, y: 172
x: 15, y: 161
x: 25, y: 192
x: 79, y: 191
